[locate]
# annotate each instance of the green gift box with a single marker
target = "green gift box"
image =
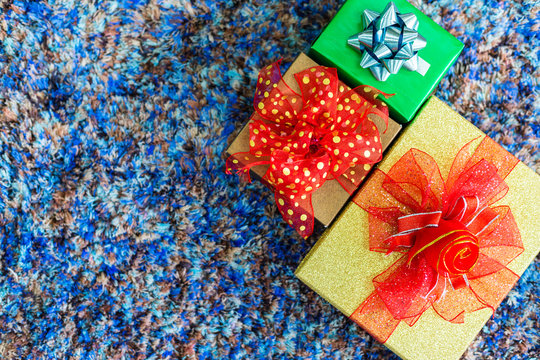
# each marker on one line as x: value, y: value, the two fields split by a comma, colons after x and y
x: 411, y: 89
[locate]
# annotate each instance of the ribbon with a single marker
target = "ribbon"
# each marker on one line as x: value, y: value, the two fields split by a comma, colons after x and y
x: 388, y: 42
x: 455, y: 244
x: 321, y: 134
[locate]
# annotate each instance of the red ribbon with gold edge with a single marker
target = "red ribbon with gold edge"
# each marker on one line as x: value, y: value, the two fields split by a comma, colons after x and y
x: 455, y: 243
x: 321, y: 134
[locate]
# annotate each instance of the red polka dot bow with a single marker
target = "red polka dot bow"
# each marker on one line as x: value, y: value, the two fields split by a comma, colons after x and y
x: 305, y: 139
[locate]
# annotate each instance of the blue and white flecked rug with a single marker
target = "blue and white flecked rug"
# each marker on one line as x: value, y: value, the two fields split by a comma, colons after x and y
x: 120, y: 235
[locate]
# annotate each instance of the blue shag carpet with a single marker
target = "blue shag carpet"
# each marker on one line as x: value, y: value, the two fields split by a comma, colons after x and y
x: 122, y: 238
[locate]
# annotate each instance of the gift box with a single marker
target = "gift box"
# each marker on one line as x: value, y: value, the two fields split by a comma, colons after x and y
x: 368, y: 39
x: 434, y: 240
x: 330, y: 198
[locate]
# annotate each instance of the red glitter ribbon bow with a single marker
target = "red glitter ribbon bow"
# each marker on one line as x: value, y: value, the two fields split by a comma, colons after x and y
x: 455, y: 243
x: 323, y: 133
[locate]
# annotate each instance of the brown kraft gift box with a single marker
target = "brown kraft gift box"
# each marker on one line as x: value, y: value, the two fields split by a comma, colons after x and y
x: 331, y: 197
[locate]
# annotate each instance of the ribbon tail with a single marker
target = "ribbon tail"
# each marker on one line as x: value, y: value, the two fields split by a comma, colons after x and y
x: 297, y: 212
x: 374, y: 317
x: 242, y: 162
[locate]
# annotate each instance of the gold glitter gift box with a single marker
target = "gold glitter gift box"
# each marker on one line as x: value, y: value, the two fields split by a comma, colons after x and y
x: 340, y: 267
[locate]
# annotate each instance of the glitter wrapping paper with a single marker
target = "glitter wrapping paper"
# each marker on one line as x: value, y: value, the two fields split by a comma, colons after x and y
x: 412, y: 89
x: 340, y: 267
x: 331, y: 197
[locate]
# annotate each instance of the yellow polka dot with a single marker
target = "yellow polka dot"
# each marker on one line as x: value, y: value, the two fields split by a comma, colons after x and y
x: 336, y: 151
x: 303, y: 217
x: 346, y: 154
x: 376, y: 139
x: 293, y: 100
x: 309, y: 188
x: 281, y: 202
x: 297, y: 180
x: 367, y: 143
x: 326, y: 81
x: 367, y: 89
x: 315, y: 109
x: 261, y: 105
x: 367, y: 167
x: 322, y: 102
x: 351, y: 145
x: 274, y: 111
x: 324, y: 175
x: 267, y: 82
x: 336, y: 139
x: 340, y: 107
x: 358, y: 137
x: 341, y: 89
x: 235, y: 161
x: 280, y: 181
x: 326, y: 115
x: 367, y: 153
x: 251, y: 143
x: 290, y: 212
x: 296, y: 204
x: 287, y: 114
x: 320, y: 165
x: 303, y: 197
x: 307, y: 172
x: 336, y: 168
x: 353, y: 172
x: 330, y: 95
x: 286, y: 171
x: 302, y: 228
x: 305, y: 79
x: 263, y: 111
x: 383, y: 104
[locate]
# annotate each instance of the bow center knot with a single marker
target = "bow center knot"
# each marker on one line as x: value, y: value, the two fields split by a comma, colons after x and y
x: 449, y: 248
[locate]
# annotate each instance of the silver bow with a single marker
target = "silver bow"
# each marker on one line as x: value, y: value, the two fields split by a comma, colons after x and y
x: 390, y: 41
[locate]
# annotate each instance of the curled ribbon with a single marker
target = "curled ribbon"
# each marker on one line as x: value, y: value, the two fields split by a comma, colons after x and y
x: 388, y: 42
x: 455, y: 243
x: 323, y: 133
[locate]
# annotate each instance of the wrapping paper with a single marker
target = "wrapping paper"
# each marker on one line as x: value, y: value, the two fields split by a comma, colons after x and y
x: 341, y: 267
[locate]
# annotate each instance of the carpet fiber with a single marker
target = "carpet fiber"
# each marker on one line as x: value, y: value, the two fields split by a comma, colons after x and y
x: 122, y: 238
